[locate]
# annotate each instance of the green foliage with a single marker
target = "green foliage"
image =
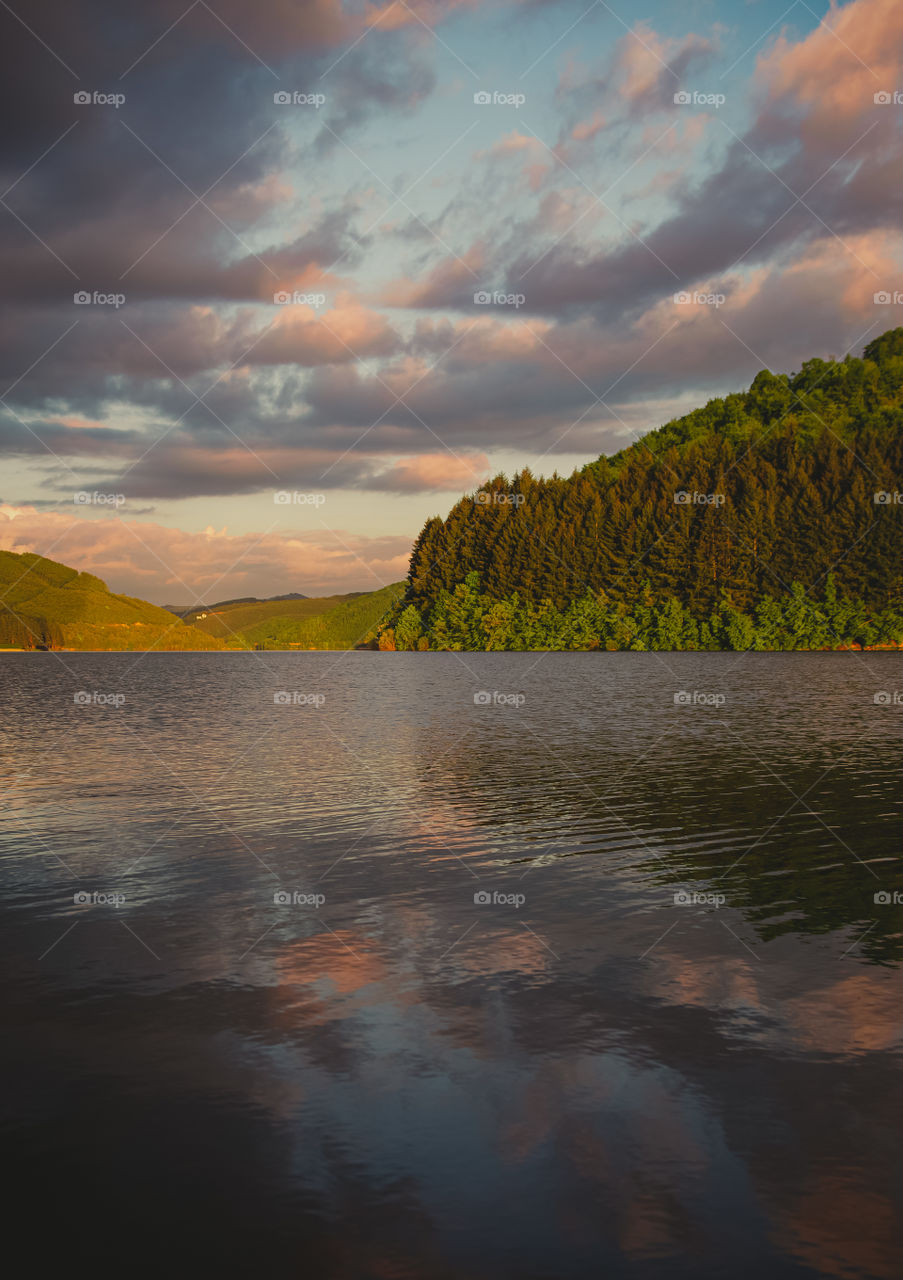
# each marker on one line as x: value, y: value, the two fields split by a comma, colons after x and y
x: 467, y: 619
x: 797, y: 460
x: 408, y: 629
x: 351, y: 623
x: 263, y: 617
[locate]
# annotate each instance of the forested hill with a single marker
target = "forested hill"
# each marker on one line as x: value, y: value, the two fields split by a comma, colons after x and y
x: 797, y: 477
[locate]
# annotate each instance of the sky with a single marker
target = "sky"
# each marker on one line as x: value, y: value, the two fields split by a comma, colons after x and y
x: 281, y: 281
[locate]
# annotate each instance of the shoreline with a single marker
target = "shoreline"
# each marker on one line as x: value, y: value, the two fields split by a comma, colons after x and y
x: 876, y: 648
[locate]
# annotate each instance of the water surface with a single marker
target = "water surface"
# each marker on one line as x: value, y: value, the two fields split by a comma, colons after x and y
x: 573, y: 979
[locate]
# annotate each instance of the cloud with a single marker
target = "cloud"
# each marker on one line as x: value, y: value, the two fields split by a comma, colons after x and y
x: 641, y: 74
x: 399, y: 382
x: 173, y: 566
x: 432, y: 472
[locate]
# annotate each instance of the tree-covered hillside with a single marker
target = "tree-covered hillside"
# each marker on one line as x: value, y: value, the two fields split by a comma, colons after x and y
x: 756, y: 497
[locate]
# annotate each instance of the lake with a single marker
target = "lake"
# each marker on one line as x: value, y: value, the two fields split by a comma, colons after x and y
x: 454, y: 965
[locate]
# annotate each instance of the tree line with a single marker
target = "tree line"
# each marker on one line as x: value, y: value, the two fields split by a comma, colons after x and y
x: 721, y: 529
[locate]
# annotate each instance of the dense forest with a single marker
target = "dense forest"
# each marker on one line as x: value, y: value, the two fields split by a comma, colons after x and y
x: 768, y: 519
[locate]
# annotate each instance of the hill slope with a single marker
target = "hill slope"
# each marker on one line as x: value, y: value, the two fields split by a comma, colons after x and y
x: 183, y: 611
x: 353, y: 621
x: 228, y: 621
x: 44, y: 604
x: 755, y: 498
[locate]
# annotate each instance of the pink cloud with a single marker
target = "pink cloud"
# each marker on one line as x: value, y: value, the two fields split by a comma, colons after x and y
x: 303, y: 335
x: 586, y: 130
x: 485, y: 339
x: 452, y: 275
x: 173, y: 565
x: 834, y: 74
x: 438, y: 472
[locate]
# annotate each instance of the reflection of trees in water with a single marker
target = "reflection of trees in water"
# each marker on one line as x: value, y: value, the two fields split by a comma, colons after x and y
x: 696, y: 806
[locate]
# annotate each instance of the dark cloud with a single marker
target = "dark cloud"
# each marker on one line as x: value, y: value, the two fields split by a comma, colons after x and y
x: 310, y: 396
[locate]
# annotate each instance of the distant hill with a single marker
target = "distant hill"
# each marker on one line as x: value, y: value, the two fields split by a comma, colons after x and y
x: 346, y: 622
x: 47, y: 605
x: 230, y: 619
x: 183, y: 611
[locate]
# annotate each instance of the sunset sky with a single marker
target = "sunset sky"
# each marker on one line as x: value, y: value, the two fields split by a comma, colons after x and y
x: 582, y: 197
